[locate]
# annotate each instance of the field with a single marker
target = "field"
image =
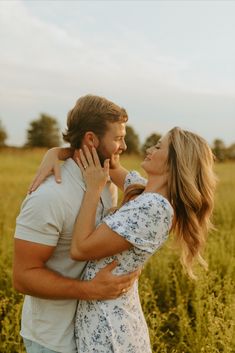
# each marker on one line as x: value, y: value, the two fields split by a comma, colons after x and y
x: 183, y: 316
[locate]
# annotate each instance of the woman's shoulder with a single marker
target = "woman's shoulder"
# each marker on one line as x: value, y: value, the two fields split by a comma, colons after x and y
x: 154, y: 201
x: 134, y: 177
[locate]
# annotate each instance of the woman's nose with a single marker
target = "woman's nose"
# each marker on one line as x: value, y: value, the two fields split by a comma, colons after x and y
x: 149, y: 150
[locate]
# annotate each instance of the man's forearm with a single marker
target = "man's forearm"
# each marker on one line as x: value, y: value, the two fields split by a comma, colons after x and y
x: 44, y: 283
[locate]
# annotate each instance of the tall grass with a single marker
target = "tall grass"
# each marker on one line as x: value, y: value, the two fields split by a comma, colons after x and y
x: 183, y: 316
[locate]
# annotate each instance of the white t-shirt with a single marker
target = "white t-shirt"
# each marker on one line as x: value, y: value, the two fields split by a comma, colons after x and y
x: 47, y: 217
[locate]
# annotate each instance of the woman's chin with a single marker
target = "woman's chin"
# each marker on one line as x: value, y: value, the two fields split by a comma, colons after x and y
x: 142, y: 164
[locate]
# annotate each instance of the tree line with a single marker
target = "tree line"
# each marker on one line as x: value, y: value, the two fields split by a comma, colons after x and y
x: 45, y: 132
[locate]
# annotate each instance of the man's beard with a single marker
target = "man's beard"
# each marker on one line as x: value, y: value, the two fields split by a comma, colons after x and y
x: 101, y: 154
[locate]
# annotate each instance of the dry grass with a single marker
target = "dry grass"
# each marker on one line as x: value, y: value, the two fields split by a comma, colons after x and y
x: 183, y: 316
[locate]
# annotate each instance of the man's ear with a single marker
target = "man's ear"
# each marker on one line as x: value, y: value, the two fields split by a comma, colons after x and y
x: 91, y: 140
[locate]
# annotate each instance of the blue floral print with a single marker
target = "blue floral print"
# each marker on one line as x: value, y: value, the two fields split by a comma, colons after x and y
x: 118, y: 326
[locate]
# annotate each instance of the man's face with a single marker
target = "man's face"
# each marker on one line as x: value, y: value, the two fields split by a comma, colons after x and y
x: 113, y: 142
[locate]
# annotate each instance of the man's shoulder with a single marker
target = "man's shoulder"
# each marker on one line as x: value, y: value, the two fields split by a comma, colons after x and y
x: 49, y: 189
x: 48, y: 193
x: 54, y: 189
x: 63, y: 192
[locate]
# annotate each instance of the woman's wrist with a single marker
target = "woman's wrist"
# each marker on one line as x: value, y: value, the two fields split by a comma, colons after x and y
x: 64, y: 153
x: 54, y: 151
x: 93, y: 194
x: 61, y: 153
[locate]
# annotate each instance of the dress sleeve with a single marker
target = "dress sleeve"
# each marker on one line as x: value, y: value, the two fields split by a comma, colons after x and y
x: 144, y: 222
x: 133, y: 177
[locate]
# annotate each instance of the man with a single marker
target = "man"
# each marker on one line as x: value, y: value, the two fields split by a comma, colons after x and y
x: 43, y: 269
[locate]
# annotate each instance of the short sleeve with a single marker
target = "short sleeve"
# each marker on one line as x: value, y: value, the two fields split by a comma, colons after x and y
x: 41, y: 219
x: 133, y: 177
x: 144, y: 221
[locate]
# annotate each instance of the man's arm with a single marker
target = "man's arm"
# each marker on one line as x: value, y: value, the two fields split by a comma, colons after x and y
x: 32, y: 277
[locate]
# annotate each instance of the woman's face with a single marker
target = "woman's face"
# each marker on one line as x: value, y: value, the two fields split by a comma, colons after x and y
x: 155, y: 162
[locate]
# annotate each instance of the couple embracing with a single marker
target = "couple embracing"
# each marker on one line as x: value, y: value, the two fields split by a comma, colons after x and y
x: 76, y: 259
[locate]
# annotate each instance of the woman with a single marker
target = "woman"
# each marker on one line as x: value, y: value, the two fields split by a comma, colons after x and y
x: 177, y: 195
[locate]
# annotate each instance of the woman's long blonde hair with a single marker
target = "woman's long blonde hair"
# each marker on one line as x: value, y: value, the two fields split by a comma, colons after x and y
x: 191, y: 187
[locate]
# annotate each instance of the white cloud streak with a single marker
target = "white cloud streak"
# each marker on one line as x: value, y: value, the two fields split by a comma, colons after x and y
x: 45, y: 66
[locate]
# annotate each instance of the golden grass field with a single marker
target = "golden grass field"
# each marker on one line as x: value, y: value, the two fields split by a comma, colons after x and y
x: 183, y: 316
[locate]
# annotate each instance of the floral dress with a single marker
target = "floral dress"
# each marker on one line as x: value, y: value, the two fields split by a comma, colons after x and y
x: 118, y: 326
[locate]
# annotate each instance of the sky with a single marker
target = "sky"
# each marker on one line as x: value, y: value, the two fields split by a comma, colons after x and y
x: 168, y: 63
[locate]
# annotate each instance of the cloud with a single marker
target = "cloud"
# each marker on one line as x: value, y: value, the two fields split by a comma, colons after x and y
x: 33, y: 49
x: 45, y: 66
x: 29, y: 42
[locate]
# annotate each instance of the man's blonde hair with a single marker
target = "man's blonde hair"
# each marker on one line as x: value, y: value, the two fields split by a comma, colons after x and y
x: 91, y: 113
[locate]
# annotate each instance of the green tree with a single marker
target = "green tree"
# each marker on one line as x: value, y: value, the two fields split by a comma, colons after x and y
x: 219, y: 150
x: 3, y: 135
x: 43, y: 132
x: 150, y: 141
x: 132, y: 141
x: 231, y: 151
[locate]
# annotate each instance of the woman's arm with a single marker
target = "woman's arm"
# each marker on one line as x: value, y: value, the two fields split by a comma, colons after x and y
x: 89, y: 242
x: 117, y: 172
x: 50, y: 165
